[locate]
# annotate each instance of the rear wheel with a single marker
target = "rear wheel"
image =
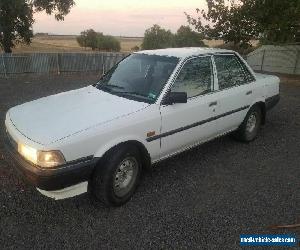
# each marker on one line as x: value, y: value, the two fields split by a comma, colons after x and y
x: 115, y: 181
x: 248, y: 130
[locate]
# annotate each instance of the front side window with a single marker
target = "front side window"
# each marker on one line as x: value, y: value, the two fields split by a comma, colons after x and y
x: 139, y: 77
x: 231, y: 71
x: 195, y: 77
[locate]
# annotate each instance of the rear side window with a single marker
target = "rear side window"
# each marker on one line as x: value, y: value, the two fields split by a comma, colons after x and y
x: 231, y: 71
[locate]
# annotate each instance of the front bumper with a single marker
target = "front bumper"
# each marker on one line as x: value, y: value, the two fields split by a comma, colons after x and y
x: 69, y: 174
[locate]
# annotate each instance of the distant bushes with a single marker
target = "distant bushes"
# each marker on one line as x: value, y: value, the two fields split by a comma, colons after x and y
x: 98, y: 41
x: 159, y: 38
x: 154, y: 38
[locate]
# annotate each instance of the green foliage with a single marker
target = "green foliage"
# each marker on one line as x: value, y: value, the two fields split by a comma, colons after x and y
x: 16, y: 18
x: 15, y: 23
x: 237, y: 48
x: 186, y: 37
x: 88, y: 39
x: 96, y: 40
x: 278, y: 21
x: 58, y: 8
x: 109, y: 43
x: 158, y: 38
x: 82, y: 39
x: 240, y: 21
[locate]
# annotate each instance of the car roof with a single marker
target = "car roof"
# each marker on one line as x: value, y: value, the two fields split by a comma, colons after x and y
x: 184, y: 52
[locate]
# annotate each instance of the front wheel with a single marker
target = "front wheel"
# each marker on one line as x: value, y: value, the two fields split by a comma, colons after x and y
x: 115, y: 181
x: 248, y: 130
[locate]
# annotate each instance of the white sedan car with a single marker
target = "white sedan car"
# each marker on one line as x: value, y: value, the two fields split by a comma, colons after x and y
x: 150, y: 106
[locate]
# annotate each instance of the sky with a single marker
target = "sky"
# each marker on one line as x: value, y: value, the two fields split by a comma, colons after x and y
x: 119, y: 17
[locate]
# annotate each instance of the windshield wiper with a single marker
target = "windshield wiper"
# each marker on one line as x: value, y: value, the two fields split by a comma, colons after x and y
x: 109, y: 87
x: 129, y: 93
x: 135, y: 95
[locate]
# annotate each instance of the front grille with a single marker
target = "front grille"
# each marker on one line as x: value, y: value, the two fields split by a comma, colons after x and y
x: 11, y: 141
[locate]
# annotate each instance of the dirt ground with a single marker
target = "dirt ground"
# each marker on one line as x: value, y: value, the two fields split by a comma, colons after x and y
x: 201, y: 199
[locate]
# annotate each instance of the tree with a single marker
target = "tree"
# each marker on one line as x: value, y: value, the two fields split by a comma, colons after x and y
x: 240, y: 21
x: 111, y: 43
x: 100, y: 41
x: 88, y: 39
x: 16, y: 21
x: 82, y: 39
x: 96, y: 40
x: 278, y: 21
x: 186, y: 37
x: 108, y: 43
x: 16, y: 18
x: 158, y: 38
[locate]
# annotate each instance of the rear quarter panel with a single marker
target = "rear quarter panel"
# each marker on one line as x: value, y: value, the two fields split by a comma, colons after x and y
x: 271, y: 84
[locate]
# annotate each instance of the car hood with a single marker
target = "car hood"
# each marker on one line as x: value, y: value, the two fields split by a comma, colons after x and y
x: 55, y: 117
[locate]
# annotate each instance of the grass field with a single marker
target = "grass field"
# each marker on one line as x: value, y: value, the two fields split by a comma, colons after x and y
x: 55, y: 43
x: 64, y: 43
x: 68, y: 43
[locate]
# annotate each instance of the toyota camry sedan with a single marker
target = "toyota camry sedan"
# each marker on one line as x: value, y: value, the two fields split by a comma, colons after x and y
x: 150, y: 106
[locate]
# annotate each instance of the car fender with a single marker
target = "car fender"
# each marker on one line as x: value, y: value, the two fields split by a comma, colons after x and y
x: 116, y: 141
x: 257, y: 100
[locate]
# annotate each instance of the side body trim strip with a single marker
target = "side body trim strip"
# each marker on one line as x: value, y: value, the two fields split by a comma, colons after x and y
x: 196, y: 124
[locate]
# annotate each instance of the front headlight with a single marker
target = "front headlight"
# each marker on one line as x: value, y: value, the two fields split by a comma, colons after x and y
x: 44, y: 159
x: 28, y: 153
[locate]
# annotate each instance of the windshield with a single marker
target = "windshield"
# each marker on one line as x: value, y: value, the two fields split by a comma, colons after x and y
x: 139, y: 77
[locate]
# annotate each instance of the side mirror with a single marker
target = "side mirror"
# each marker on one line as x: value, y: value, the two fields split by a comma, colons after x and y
x: 175, y: 97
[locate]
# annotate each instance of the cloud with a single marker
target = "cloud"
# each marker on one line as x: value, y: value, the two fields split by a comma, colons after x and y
x: 119, y: 21
x: 153, y: 16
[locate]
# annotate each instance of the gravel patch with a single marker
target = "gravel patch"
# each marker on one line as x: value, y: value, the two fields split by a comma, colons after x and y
x: 201, y: 199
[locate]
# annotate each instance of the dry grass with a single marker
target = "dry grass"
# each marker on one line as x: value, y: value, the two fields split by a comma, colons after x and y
x: 127, y: 43
x: 64, y: 43
x: 68, y: 44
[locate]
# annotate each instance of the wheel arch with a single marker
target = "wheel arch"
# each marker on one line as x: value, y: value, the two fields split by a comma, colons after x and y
x: 145, y: 156
x: 262, y: 105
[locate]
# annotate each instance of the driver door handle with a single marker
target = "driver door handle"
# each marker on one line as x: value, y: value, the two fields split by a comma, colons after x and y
x: 213, y: 104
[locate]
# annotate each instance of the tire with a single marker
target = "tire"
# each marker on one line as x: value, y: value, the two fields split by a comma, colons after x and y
x: 111, y: 183
x: 248, y: 130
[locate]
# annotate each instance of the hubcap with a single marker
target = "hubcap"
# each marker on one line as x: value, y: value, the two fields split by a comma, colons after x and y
x: 251, y: 123
x: 125, y: 176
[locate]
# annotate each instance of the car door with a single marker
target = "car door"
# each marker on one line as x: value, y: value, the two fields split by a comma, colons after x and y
x: 235, y: 91
x: 186, y: 124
